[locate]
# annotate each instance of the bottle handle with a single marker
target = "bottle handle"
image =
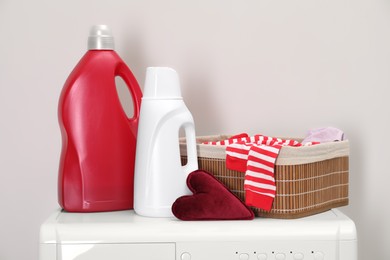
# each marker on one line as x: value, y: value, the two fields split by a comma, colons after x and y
x: 192, y: 156
x: 125, y: 73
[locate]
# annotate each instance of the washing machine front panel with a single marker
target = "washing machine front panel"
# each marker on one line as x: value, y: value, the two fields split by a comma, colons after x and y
x: 162, y: 251
x: 124, y: 236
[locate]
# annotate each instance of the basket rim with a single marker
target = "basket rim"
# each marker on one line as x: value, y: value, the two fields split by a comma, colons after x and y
x: 287, y: 156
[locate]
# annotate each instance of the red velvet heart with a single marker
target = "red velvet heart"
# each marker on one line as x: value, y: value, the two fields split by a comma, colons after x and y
x: 211, y: 201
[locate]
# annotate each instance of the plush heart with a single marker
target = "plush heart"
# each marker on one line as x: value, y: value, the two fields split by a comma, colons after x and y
x: 211, y: 201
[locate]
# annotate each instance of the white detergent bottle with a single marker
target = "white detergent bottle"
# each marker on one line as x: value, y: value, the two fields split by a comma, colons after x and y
x: 159, y: 177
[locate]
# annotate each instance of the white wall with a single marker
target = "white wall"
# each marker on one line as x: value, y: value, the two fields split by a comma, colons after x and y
x: 261, y: 66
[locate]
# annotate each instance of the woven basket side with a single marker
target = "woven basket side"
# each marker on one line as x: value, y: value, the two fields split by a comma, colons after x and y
x: 301, y: 190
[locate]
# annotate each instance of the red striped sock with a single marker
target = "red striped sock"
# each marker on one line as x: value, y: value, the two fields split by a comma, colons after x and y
x: 259, y: 184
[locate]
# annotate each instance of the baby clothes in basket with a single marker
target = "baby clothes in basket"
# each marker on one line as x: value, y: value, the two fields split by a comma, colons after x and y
x: 256, y: 156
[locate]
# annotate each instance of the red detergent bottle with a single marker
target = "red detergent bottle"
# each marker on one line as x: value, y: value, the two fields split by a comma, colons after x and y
x: 96, y: 171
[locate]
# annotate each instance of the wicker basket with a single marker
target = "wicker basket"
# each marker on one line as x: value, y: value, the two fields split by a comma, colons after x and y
x: 309, y: 179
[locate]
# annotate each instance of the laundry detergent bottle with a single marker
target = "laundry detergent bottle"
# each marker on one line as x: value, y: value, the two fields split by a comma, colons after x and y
x: 96, y: 171
x: 159, y: 176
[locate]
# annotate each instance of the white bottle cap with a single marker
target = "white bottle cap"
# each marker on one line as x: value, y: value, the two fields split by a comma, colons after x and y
x: 100, y: 38
x: 162, y: 83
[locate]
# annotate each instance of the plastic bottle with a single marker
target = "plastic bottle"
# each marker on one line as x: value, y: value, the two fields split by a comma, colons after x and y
x: 159, y: 176
x: 96, y: 170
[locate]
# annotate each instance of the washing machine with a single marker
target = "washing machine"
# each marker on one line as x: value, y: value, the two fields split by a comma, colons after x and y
x: 124, y: 235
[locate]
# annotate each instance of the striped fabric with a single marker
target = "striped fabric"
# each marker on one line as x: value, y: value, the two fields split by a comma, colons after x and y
x: 256, y: 157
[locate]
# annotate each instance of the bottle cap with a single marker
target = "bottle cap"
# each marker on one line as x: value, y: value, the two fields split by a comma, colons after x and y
x: 100, y: 38
x: 162, y: 83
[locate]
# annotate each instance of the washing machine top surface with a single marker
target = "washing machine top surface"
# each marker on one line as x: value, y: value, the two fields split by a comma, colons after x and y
x: 128, y: 227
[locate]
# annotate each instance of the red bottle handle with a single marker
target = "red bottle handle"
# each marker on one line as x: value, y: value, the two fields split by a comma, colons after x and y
x: 124, y: 72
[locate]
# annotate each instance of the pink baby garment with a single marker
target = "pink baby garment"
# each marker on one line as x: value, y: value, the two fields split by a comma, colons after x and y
x: 323, y: 135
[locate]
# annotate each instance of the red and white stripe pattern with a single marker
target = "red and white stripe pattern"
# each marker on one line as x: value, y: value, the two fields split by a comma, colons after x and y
x: 256, y: 156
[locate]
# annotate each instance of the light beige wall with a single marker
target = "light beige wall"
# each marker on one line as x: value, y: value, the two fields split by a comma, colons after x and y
x: 271, y: 67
